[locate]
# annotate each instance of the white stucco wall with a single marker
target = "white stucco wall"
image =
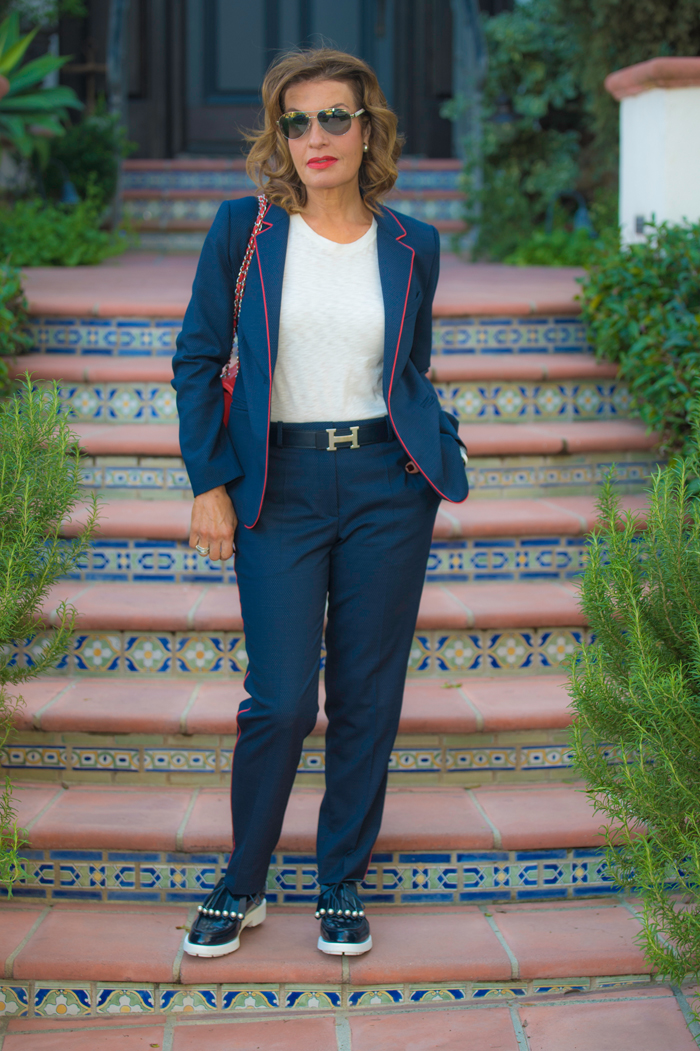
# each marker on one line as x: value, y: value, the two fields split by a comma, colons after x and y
x: 659, y: 158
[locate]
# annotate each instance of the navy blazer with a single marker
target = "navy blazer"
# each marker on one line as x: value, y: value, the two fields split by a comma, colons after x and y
x: 236, y: 456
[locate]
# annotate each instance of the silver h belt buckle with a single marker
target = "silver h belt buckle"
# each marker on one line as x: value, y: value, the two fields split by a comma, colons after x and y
x: 333, y: 441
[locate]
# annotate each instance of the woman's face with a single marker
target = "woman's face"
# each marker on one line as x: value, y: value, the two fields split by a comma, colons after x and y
x: 324, y: 161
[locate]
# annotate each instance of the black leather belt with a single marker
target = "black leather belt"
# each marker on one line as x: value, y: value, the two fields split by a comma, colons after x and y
x: 331, y: 439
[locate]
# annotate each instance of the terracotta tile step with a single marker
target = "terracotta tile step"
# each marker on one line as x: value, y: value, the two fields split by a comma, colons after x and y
x: 626, y: 1020
x: 149, y: 705
x: 568, y: 516
x: 468, y: 945
x: 198, y: 820
x: 119, y: 288
x: 445, y: 369
x: 216, y: 607
x: 471, y: 368
x: 482, y: 439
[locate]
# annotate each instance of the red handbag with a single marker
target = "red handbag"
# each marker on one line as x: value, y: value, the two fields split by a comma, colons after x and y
x: 229, y: 373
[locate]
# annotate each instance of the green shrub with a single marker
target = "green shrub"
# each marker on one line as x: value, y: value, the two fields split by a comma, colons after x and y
x: 35, y: 233
x: 642, y: 307
x: 14, y: 338
x: 532, y: 113
x: 636, y: 693
x: 39, y: 487
x: 549, y: 127
x: 88, y: 154
x: 30, y: 112
x: 558, y: 248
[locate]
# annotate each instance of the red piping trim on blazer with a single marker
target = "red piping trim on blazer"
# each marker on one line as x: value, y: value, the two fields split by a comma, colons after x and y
x: 233, y: 753
x: 269, y: 371
x: 396, y: 354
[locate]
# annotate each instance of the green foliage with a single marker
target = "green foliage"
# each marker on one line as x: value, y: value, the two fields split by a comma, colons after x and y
x: 88, y: 153
x: 14, y: 338
x: 34, y: 233
x: 560, y: 248
x: 641, y: 304
x: 549, y: 126
x: 532, y: 114
x: 619, y: 33
x: 39, y: 487
x: 636, y: 691
x: 30, y: 114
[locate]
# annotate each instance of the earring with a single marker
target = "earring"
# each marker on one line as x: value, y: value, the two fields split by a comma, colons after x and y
x: 365, y: 147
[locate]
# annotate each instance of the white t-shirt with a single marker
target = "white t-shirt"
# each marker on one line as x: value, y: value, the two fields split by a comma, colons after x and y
x: 331, y: 336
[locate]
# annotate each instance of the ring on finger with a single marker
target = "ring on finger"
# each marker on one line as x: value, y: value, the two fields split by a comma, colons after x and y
x: 201, y: 550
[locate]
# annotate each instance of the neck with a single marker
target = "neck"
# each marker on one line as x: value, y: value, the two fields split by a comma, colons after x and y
x: 339, y: 205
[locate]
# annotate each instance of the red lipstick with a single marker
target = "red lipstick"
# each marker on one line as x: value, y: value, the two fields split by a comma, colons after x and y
x: 321, y: 162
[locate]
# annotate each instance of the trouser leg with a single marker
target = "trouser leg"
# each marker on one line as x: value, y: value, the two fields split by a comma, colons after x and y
x: 377, y: 574
x: 282, y: 571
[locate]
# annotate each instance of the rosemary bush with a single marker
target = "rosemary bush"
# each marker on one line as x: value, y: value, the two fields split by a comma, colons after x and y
x: 39, y: 487
x: 14, y: 338
x: 636, y: 690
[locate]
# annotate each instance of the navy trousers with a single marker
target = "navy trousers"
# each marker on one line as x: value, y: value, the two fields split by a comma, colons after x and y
x: 347, y: 532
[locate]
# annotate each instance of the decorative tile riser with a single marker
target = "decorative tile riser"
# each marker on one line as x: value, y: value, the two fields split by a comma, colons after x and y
x: 468, y: 402
x: 523, y: 558
x: 236, y: 179
x: 127, y: 759
x: 222, y: 654
x: 148, y: 337
x: 63, y: 1001
x: 508, y: 476
x: 173, y: 212
x: 420, y: 878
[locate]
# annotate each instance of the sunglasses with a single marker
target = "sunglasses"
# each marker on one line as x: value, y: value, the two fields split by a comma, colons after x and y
x: 296, y: 123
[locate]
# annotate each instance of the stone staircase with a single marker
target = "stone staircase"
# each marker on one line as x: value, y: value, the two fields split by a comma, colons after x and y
x: 488, y: 880
x: 172, y: 203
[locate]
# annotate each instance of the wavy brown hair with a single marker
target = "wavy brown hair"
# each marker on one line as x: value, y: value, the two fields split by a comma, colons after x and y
x: 269, y: 163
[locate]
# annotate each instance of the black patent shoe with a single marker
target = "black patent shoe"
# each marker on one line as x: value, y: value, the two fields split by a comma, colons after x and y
x: 344, y: 926
x: 220, y: 920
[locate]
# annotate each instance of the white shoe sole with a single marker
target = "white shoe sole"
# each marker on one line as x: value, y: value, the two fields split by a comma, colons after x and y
x: 345, y: 948
x: 252, y: 919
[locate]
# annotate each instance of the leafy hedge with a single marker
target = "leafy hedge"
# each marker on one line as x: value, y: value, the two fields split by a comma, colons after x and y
x: 549, y: 127
x: 641, y: 304
x: 36, y: 233
x: 14, y: 338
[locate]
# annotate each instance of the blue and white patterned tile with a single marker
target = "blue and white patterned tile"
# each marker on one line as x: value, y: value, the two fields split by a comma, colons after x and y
x: 375, y: 997
x: 312, y: 999
x: 148, y: 654
x: 97, y: 652
x: 188, y: 1001
x: 237, y: 998
x: 510, y: 651
x: 458, y: 653
x: 33, y: 757
x: 118, y: 1000
x: 509, y: 335
x: 497, y: 990
x: 481, y: 758
x: 439, y: 995
x: 530, y: 402
x: 200, y: 654
x: 14, y: 1002
x: 57, y: 1001
x: 106, y: 758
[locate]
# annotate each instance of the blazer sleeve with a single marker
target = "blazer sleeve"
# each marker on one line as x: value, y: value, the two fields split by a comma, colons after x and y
x: 203, y: 348
x: 423, y: 330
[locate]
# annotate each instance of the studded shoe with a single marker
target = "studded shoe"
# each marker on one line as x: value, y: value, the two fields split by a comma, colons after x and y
x: 220, y: 920
x: 344, y: 926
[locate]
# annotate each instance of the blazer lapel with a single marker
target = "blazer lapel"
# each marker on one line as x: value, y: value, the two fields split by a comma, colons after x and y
x: 395, y: 268
x: 269, y: 262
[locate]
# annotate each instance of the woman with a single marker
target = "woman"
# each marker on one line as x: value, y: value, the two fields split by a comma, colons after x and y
x: 327, y: 476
